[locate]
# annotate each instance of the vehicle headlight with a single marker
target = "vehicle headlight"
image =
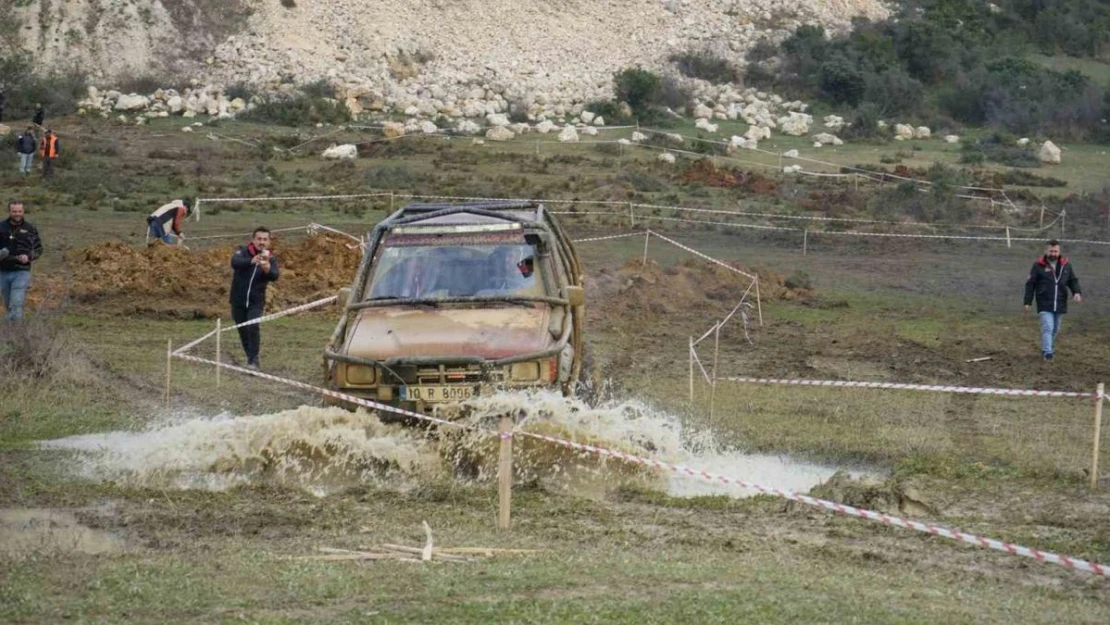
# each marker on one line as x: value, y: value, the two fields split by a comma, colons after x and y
x: 362, y: 375
x: 524, y: 371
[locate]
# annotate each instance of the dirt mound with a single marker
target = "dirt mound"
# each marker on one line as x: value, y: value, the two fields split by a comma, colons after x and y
x: 168, y: 281
x: 704, y: 172
x: 646, y: 293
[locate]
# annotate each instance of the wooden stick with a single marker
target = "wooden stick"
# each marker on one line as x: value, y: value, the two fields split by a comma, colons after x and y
x: 647, y: 237
x: 169, y: 366
x: 426, y: 554
x: 1098, y: 435
x: 805, y: 241
x: 505, y: 473
x: 758, y: 302
x: 716, y: 359
x: 218, y: 367
x: 691, y: 369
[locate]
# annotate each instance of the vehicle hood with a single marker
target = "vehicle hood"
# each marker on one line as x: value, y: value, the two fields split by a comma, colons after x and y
x: 422, y: 332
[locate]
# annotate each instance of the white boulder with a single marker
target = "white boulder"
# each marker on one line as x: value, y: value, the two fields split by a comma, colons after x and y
x: 468, y: 127
x: 599, y: 121
x: 590, y: 130
x: 705, y: 124
x: 1049, y: 153
x: 833, y: 122
x: 497, y: 119
x: 176, y: 104
x: 951, y: 139
x: 346, y: 151
x: 666, y: 157
x: 903, y: 130
x: 756, y: 133
x: 519, y: 128
x: 546, y: 126
x: 675, y: 138
x: 499, y: 133
x: 568, y: 134
x: 638, y: 136
x: 791, y: 169
x: 790, y: 154
x: 796, y: 124
x: 827, y: 138
x: 922, y: 132
x: 1024, y: 141
x: 428, y: 128
x: 587, y: 117
x: 702, y: 110
x: 187, y: 129
x: 132, y: 102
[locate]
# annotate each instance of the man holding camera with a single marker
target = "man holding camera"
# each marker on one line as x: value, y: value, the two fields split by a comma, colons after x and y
x: 253, y: 267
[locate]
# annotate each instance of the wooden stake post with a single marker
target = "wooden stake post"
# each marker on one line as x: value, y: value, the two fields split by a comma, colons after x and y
x: 169, y: 365
x: 691, y: 369
x: 505, y: 473
x: 219, y: 331
x: 1098, y: 435
x: 647, y: 237
x: 716, y: 360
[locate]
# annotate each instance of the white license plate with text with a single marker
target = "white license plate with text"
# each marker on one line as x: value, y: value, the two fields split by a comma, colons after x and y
x: 436, y: 393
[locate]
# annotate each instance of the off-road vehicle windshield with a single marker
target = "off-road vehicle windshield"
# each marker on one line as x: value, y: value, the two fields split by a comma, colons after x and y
x: 460, y: 268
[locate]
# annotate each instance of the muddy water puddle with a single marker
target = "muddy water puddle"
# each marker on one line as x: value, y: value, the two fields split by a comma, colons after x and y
x: 43, y: 530
x: 325, y: 449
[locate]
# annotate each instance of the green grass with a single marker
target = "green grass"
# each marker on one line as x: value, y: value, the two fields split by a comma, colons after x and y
x: 1001, y: 467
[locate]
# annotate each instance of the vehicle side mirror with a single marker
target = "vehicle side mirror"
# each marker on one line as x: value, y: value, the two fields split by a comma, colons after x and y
x: 343, y: 297
x: 576, y: 295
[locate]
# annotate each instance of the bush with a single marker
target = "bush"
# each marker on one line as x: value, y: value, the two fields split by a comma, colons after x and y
x: 298, y: 110
x: 705, y: 65
x: 319, y: 89
x: 999, y: 148
x: 239, y: 90
x: 641, y: 89
x: 58, y: 91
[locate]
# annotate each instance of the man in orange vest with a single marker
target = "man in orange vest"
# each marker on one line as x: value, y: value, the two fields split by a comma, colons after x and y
x: 49, y: 150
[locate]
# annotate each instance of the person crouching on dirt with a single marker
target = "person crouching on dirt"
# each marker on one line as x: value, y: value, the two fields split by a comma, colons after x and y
x: 165, y: 223
x: 253, y: 268
x: 20, y: 246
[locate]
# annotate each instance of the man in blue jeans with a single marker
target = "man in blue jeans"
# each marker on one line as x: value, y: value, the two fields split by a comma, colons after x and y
x: 1050, y: 280
x: 20, y: 246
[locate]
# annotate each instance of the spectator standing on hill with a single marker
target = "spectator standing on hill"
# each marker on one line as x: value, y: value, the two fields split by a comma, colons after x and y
x: 20, y: 246
x: 1050, y: 279
x: 39, y: 116
x: 25, y: 145
x: 253, y: 267
x: 165, y: 223
x: 49, y: 151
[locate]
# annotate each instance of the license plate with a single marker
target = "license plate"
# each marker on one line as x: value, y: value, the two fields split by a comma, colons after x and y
x: 436, y: 393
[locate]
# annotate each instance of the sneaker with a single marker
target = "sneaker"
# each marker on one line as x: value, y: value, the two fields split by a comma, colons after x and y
x: 1048, y: 357
x: 253, y: 365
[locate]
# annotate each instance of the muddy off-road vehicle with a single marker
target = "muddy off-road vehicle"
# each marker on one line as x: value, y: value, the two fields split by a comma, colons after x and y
x: 452, y: 301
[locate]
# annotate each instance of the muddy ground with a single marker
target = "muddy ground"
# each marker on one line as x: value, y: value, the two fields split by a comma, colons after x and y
x: 95, y: 545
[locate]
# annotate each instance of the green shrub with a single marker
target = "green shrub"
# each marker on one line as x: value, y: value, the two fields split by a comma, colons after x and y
x: 319, y: 89
x: 298, y: 110
x: 58, y: 90
x: 239, y: 90
x: 705, y: 65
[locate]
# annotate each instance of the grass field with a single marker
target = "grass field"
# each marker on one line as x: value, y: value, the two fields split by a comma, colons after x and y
x: 112, y: 550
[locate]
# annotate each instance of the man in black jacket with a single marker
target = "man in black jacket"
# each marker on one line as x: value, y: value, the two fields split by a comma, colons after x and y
x: 1050, y: 279
x: 253, y: 267
x: 20, y: 246
x: 25, y: 145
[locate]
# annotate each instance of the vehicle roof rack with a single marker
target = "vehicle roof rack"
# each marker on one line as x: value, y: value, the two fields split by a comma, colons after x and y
x: 490, y: 208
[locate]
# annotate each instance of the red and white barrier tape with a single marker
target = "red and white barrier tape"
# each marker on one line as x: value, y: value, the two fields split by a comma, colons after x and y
x: 312, y: 227
x: 277, y: 315
x: 1013, y: 392
x: 366, y: 403
x: 893, y: 521
x: 702, y: 256
x: 281, y: 198
x: 694, y: 355
x: 246, y: 234
x: 610, y: 237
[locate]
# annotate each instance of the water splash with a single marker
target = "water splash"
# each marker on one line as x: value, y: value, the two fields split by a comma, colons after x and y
x: 323, y: 448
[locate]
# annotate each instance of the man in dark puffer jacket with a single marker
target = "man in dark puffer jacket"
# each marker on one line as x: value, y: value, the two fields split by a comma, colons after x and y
x: 1050, y: 279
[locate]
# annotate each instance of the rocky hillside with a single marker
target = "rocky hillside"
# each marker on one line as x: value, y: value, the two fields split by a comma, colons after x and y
x: 566, y: 52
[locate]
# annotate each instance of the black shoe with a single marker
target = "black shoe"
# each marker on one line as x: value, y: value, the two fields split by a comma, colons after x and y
x: 1048, y: 357
x: 253, y: 365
